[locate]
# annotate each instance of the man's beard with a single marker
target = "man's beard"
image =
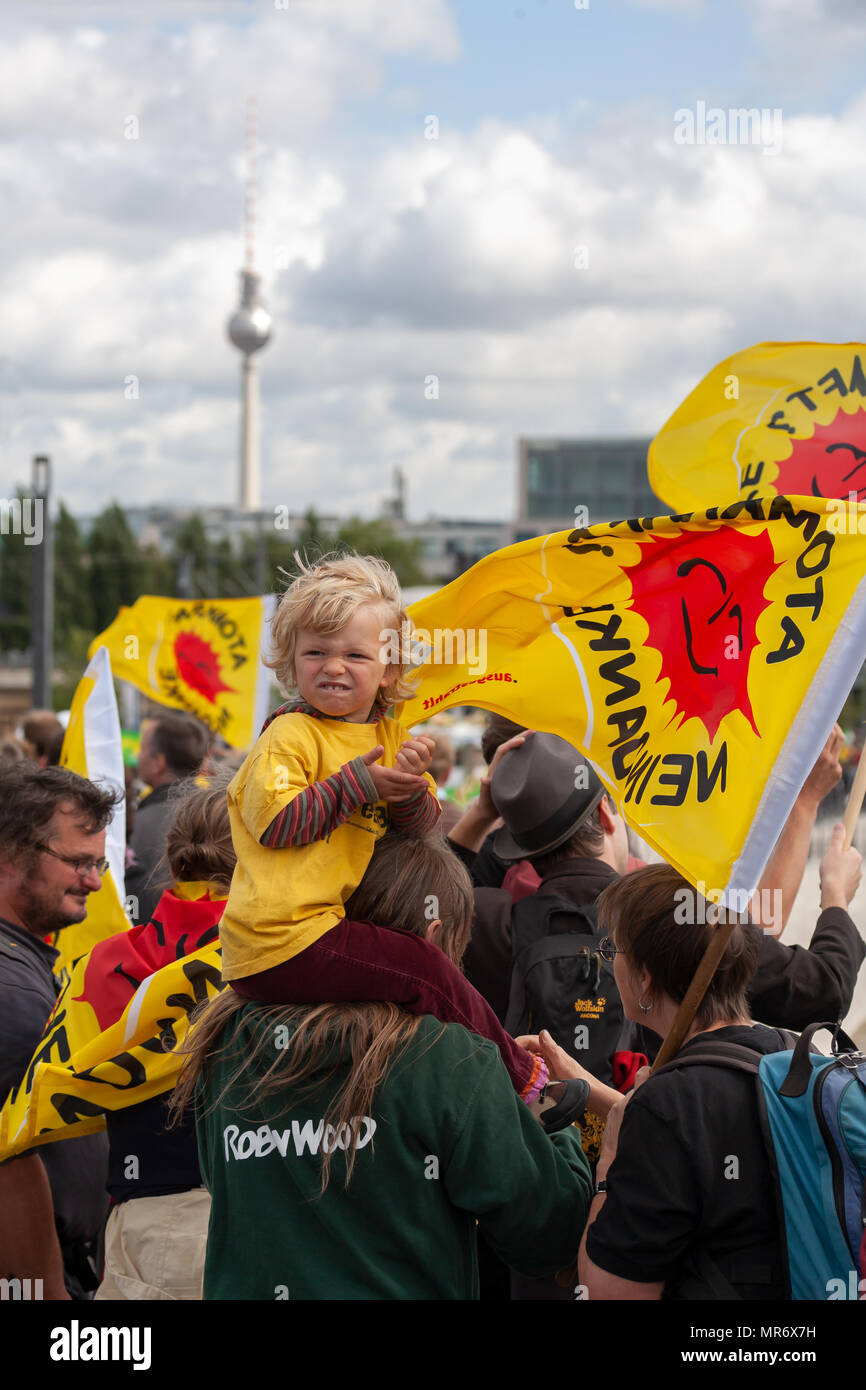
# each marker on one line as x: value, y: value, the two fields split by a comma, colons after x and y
x: 41, y: 918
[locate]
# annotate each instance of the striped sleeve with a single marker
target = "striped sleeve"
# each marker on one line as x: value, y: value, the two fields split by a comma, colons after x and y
x: 418, y: 814
x: 317, y: 810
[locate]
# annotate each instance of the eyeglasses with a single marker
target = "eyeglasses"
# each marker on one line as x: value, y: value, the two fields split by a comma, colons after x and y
x: 82, y: 867
x: 608, y: 950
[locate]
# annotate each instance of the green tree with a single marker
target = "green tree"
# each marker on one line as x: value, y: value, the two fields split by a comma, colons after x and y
x: 73, y: 599
x: 379, y: 538
x: 160, y: 573
x: 118, y: 569
x: 16, y: 579
x: 375, y: 537
x: 191, y: 555
x: 313, y: 539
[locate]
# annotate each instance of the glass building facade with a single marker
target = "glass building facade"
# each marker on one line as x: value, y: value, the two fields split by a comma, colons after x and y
x: 607, y: 477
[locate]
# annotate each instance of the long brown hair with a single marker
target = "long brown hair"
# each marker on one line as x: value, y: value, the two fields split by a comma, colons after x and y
x: 409, y: 883
x: 297, y: 1049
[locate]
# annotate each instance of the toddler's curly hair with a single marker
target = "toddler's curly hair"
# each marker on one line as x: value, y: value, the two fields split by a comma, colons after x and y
x: 325, y: 596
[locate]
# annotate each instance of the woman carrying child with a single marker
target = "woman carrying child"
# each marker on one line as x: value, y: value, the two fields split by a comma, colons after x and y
x: 353, y: 1151
x: 329, y: 773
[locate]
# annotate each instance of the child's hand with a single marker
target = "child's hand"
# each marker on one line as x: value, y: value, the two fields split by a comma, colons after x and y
x: 392, y: 783
x: 415, y: 754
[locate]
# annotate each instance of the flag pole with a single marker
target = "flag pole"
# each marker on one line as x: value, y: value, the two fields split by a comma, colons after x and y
x: 855, y: 801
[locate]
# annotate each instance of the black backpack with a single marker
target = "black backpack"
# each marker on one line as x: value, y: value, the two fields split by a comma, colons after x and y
x: 560, y: 982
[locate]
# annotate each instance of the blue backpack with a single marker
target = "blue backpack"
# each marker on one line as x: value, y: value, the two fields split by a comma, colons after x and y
x: 813, y: 1114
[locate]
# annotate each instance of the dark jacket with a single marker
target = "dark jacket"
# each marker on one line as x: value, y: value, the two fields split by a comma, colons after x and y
x: 77, y: 1167
x: 146, y: 877
x: 487, y: 963
x: 793, y: 987
x: 799, y: 985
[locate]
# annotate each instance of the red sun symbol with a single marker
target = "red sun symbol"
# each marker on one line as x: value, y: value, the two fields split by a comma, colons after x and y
x: 701, y: 594
x: 198, y: 665
x: 830, y: 464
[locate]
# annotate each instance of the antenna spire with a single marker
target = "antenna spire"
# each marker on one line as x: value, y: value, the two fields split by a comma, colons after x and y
x: 249, y: 328
x: 250, y: 186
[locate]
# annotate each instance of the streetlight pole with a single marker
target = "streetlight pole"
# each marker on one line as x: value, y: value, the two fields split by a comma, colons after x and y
x: 42, y: 609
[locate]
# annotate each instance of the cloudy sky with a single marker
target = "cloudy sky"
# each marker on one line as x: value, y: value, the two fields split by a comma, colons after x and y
x: 484, y: 191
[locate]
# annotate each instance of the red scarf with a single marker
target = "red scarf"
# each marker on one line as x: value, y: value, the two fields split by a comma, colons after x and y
x: 184, y: 921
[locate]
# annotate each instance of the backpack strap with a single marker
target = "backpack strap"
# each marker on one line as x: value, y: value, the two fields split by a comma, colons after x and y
x: 745, y: 1059
x: 725, y: 1054
x: 800, y: 1071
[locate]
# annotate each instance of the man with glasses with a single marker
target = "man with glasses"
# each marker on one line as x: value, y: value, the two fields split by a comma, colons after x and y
x: 53, y: 1202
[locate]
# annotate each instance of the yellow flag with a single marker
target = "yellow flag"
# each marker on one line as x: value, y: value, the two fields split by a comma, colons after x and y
x: 92, y: 748
x: 202, y: 656
x: 80, y: 1071
x: 699, y: 662
x: 776, y: 418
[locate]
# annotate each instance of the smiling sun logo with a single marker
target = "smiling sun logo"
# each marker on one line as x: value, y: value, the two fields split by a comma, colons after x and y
x: 830, y: 464
x: 701, y: 594
x: 198, y: 665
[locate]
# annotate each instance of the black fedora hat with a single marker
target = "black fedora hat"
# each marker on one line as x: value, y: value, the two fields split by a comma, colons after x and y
x: 543, y: 790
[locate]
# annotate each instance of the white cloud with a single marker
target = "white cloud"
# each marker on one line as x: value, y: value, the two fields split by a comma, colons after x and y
x: 453, y: 257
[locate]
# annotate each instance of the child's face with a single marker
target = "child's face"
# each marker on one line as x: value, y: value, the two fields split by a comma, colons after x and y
x: 340, y: 673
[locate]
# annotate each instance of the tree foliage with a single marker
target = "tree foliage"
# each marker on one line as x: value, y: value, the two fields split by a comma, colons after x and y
x: 99, y: 570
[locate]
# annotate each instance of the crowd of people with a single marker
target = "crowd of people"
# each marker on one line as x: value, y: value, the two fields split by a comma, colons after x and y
x: 428, y: 1073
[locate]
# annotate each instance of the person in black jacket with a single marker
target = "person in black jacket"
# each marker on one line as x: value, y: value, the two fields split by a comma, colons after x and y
x: 796, y: 985
x: 793, y: 985
x: 172, y: 748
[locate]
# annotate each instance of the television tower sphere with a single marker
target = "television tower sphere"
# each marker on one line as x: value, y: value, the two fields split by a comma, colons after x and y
x: 249, y: 327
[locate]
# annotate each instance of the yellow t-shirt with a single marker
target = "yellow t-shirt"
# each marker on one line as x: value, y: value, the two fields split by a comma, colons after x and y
x: 282, y: 900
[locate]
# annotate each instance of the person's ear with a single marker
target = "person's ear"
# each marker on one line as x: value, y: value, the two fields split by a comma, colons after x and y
x: 607, y: 814
x: 434, y: 932
x: 645, y: 984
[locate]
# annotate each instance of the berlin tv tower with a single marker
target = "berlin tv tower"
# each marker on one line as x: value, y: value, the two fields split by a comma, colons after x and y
x: 249, y: 328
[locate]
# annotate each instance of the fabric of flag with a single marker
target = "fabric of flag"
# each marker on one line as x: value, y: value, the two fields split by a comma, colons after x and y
x: 92, y: 747
x: 113, y: 1036
x: 785, y: 418
x: 698, y: 661
x: 202, y: 656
